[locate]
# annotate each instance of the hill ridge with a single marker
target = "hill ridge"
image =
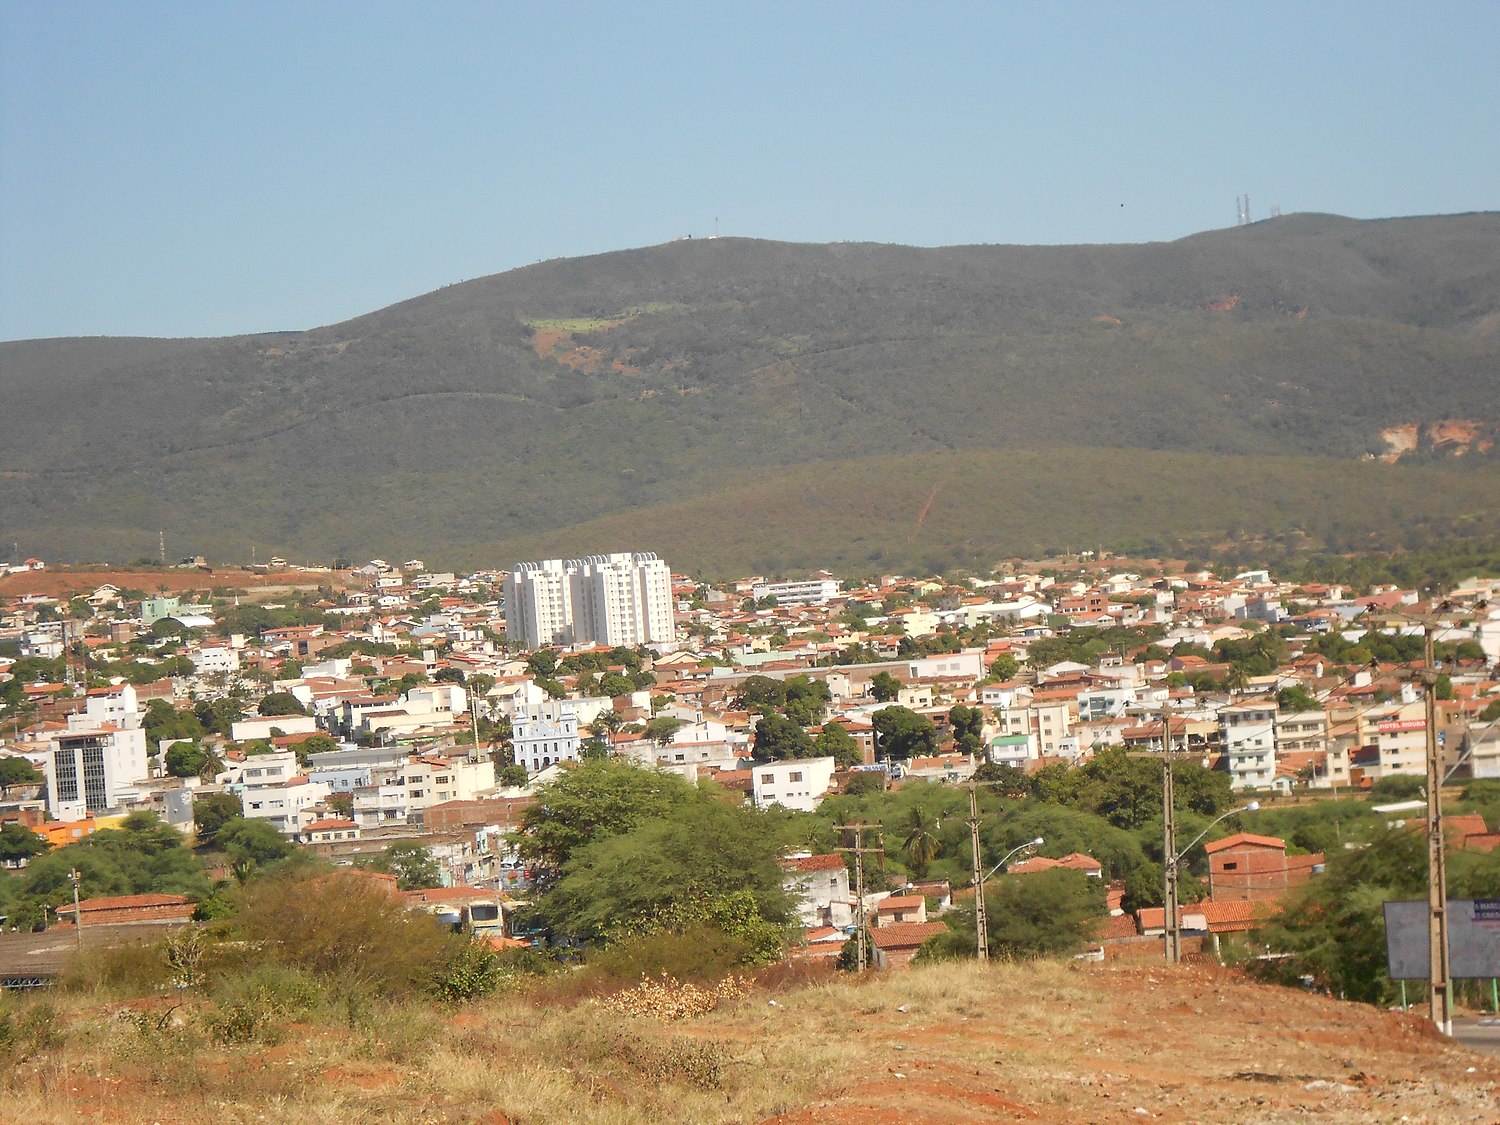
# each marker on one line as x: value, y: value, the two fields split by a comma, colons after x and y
x: 442, y: 418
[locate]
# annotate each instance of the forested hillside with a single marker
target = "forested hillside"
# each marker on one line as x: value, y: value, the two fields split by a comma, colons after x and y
x: 736, y: 403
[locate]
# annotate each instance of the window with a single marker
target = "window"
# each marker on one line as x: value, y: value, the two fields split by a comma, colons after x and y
x: 769, y: 779
x: 796, y: 776
x: 1231, y: 867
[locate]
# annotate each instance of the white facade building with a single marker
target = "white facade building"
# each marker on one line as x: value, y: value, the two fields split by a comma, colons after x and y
x: 812, y: 592
x: 93, y: 765
x: 544, y: 734
x: 619, y: 599
x: 1249, y: 738
x: 798, y: 783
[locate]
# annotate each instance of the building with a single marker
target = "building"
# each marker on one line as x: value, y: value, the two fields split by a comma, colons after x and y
x: 93, y: 765
x: 618, y: 599
x: 1250, y: 868
x: 1249, y: 741
x: 819, y: 887
x: 812, y: 592
x: 894, y: 945
x: 545, y: 733
x: 798, y: 783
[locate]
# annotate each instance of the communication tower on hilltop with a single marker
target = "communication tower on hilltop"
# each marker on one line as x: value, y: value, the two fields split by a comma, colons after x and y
x: 1242, y: 209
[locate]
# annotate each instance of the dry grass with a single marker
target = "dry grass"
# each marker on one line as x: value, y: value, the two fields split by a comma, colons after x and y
x: 954, y: 1042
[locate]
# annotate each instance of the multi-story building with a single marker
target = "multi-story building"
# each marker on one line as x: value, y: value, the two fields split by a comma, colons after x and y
x: 1249, y: 741
x: 814, y: 591
x: 93, y: 765
x: 618, y: 599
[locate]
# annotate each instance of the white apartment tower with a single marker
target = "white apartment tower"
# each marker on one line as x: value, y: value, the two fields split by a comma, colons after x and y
x: 619, y: 599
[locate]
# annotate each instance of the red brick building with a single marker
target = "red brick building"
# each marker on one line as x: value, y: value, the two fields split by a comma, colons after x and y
x: 1252, y: 868
x: 168, y: 910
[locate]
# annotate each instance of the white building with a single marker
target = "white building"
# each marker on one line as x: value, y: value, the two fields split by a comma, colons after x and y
x: 93, y: 765
x: 544, y: 734
x: 812, y: 592
x: 619, y: 599
x: 798, y: 783
x: 1250, y: 743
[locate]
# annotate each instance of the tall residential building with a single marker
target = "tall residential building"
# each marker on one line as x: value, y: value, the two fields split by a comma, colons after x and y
x: 93, y: 765
x: 618, y: 599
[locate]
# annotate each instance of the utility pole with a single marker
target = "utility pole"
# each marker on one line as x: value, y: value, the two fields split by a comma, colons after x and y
x: 1440, y: 996
x: 1171, y: 922
x: 858, y: 851
x: 981, y: 918
x: 74, y: 877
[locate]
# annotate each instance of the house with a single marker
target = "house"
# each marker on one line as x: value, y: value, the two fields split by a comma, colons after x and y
x: 329, y: 830
x: 898, y: 910
x: 1250, y: 868
x: 894, y: 946
x: 1075, y: 861
x: 819, y: 887
x: 165, y: 910
x: 799, y: 783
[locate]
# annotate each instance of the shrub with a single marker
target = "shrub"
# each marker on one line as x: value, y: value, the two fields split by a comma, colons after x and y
x: 667, y: 998
x: 475, y: 969
x: 344, y: 928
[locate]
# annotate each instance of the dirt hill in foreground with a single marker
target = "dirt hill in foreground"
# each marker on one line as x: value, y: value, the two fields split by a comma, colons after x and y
x: 1045, y: 1043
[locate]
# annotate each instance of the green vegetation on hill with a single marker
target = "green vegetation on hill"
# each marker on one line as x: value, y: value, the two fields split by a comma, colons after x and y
x: 1072, y: 393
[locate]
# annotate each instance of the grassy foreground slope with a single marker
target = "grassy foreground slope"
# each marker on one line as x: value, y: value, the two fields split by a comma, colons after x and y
x: 1046, y: 1042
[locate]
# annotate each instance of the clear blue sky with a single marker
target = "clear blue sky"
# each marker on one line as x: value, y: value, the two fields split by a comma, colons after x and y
x: 210, y: 168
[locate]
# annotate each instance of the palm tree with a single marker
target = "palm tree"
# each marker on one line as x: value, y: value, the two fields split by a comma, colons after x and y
x: 921, y: 845
x: 211, y: 764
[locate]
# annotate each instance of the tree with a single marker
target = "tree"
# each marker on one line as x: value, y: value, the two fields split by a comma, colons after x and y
x: 592, y: 801
x: 412, y: 864
x: 1296, y: 698
x: 17, y: 843
x: 543, y: 663
x: 761, y: 692
x: 184, y: 759
x: 656, y: 871
x: 17, y: 771
x: 807, y: 700
x: 1005, y: 667
x: 835, y: 742
x: 865, y: 781
x: 1044, y: 914
x: 968, y: 728
x: 252, y: 843
x: 281, y: 703
x: 316, y: 744
x: 661, y: 729
x: 1006, y: 780
x: 921, y: 842
x: 778, y: 738
x: 512, y: 776
x: 885, y: 687
x: 212, y: 812
x: 902, y: 733
x: 615, y: 685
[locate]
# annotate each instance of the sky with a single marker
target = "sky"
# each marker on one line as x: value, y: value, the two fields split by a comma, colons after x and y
x: 192, y: 169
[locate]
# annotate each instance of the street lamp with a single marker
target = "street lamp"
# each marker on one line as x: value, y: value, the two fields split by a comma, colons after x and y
x: 981, y: 917
x: 1038, y: 842
x: 1171, y: 923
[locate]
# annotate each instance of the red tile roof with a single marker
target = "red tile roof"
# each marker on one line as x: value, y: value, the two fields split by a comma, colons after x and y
x: 1242, y: 838
x: 815, y: 862
x: 906, y: 935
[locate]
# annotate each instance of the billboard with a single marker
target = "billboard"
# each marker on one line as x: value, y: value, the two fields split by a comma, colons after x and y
x: 1473, y: 939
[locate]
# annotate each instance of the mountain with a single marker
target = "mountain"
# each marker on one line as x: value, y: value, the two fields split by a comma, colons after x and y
x: 737, y: 404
